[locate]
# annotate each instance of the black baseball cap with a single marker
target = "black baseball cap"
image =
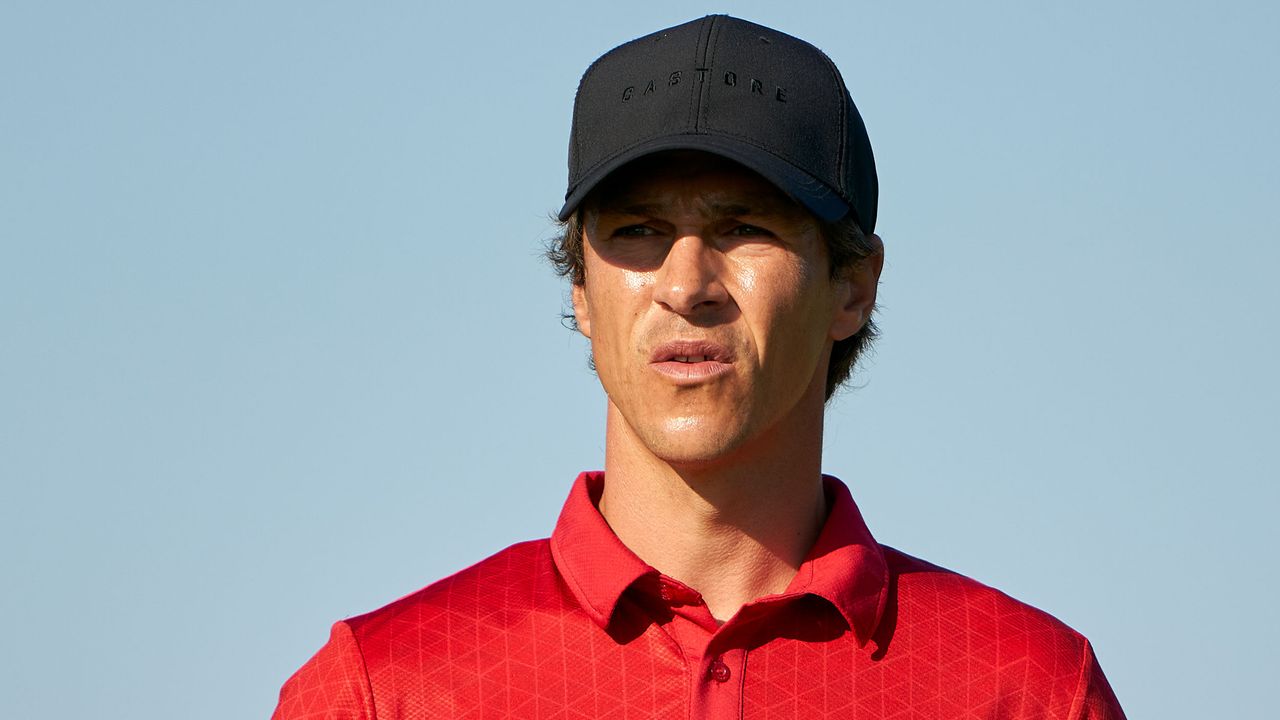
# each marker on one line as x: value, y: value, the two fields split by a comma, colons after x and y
x: 762, y: 98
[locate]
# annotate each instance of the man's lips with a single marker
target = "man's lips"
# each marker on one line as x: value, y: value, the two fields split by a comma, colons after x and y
x: 691, y: 351
x: 691, y: 361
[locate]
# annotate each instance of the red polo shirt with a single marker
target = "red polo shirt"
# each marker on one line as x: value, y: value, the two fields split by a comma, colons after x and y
x: 577, y: 626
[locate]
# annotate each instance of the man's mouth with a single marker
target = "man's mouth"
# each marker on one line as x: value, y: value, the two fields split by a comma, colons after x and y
x: 691, y: 351
x: 690, y: 362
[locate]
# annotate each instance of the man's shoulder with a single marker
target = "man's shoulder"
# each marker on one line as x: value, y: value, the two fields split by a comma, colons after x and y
x: 927, y: 600
x: 430, y: 647
x: 498, y: 591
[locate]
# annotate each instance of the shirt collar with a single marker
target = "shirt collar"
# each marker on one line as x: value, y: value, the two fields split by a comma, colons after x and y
x: 846, y: 566
x: 594, y: 563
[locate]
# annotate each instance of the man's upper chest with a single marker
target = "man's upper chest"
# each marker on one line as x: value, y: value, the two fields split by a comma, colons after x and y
x: 796, y: 660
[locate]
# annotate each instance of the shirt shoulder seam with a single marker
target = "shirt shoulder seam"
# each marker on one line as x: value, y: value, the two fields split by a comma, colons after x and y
x: 364, y: 669
x: 1086, y: 662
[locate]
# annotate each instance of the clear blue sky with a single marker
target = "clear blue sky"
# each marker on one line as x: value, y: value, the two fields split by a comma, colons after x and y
x: 277, y: 345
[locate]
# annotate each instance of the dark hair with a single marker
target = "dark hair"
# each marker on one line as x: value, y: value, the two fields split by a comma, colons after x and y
x: 847, y: 246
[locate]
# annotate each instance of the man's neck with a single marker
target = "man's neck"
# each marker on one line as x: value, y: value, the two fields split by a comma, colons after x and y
x: 734, y: 530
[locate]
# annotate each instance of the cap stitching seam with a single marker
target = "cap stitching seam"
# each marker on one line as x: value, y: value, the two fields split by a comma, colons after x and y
x: 698, y: 98
x: 708, y: 82
x: 693, y: 96
x: 574, y: 138
x: 841, y: 102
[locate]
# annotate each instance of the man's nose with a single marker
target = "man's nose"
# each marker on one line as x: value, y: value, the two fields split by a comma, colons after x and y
x: 689, y: 279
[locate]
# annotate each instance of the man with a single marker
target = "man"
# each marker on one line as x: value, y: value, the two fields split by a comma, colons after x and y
x: 719, y: 240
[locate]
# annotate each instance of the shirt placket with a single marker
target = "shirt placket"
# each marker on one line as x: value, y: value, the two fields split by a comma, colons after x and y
x: 718, y: 691
x: 716, y: 668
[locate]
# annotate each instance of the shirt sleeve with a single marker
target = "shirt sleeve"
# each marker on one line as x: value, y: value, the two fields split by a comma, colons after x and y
x: 332, y: 685
x: 1094, y: 698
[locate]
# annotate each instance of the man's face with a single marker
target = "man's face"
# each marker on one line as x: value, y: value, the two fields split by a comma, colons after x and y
x: 709, y: 304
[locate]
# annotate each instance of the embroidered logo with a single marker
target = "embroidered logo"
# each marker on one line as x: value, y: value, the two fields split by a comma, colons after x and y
x: 729, y: 78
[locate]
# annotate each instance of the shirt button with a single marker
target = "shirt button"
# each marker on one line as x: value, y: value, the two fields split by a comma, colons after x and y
x: 719, y: 671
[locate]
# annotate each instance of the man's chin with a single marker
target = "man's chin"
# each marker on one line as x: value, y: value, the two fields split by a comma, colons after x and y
x: 693, y: 448
x: 683, y: 438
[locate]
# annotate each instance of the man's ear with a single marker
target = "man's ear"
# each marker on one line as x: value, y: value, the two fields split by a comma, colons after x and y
x: 581, y: 310
x: 856, y: 293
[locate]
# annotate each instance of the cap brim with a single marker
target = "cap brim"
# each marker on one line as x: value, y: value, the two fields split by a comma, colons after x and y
x: 815, y: 195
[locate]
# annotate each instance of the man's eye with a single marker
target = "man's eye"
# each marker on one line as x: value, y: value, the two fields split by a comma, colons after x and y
x: 749, y: 230
x: 633, y: 231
